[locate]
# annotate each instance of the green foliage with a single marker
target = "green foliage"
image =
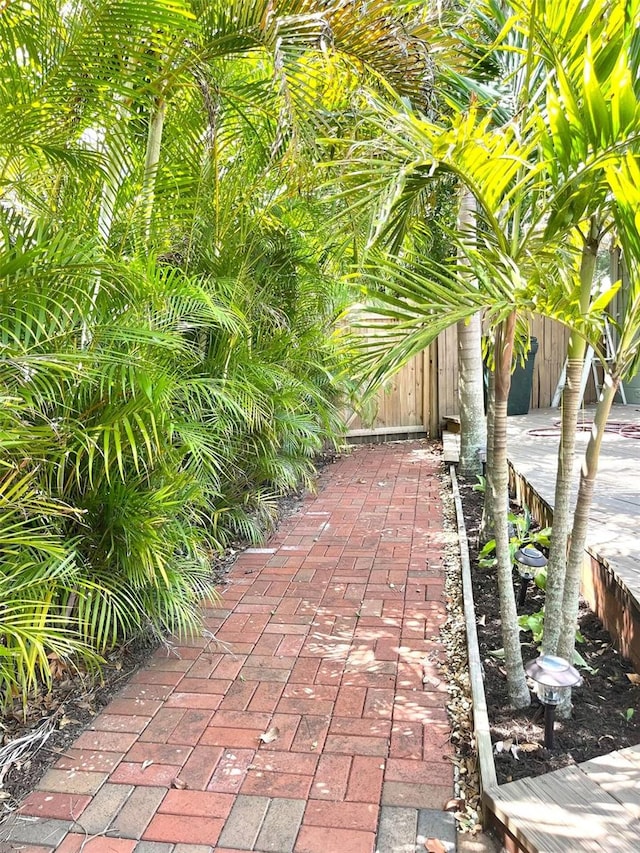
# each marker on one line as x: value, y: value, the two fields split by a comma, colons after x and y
x: 171, y: 356
x: 481, y: 485
x: 534, y: 622
x: 139, y: 453
x: 521, y: 534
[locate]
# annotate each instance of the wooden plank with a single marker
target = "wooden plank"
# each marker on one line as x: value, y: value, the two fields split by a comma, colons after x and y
x: 387, y: 430
x: 431, y: 388
x: 595, y: 813
x: 408, y: 393
x: 632, y: 754
x: 481, y: 728
x: 450, y: 446
x: 565, y: 812
x: 540, y: 826
x: 618, y: 773
x: 448, y: 371
x: 422, y: 412
x: 552, y: 347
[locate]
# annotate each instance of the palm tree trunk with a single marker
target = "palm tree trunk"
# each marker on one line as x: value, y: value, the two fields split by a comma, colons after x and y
x: 115, y: 172
x: 566, y: 643
x: 517, y: 689
x: 487, y: 526
x: 152, y: 158
x: 557, y: 567
x: 473, y: 431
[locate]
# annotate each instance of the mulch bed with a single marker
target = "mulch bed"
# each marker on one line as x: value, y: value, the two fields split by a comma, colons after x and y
x: 606, y: 713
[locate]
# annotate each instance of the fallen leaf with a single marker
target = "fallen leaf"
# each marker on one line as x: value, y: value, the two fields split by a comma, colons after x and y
x: 482, y: 620
x: 454, y: 804
x: 434, y: 845
x: 633, y: 677
x: 178, y: 783
x: 270, y: 736
x: 146, y: 764
x: 529, y: 747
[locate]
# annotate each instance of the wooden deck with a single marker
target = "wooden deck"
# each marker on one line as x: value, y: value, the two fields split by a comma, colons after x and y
x: 594, y: 806
x: 614, y: 533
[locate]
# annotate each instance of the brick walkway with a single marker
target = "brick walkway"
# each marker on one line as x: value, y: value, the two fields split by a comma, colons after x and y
x: 330, y: 635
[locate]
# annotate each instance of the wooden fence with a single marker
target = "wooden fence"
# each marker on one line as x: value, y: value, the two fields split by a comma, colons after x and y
x: 425, y: 391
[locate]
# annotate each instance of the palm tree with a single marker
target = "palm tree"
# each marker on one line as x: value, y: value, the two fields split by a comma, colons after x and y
x: 592, y: 111
x: 528, y: 209
x: 171, y: 368
x: 510, y: 254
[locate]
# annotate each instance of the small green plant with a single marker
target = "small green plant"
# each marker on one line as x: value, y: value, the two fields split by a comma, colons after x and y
x: 481, y: 485
x: 521, y: 535
x: 534, y: 622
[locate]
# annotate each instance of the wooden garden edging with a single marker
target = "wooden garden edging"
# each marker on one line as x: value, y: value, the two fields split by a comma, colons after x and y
x: 484, y: 747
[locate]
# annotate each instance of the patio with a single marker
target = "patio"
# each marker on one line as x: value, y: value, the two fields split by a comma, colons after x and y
x: 533, y: 445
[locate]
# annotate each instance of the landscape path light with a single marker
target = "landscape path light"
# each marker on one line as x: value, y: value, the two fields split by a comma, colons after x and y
x: 554, y: 677
x: 527, y: 559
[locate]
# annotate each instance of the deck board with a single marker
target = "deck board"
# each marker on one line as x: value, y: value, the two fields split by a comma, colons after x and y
x: 589, y: 808
x: 618, y: 773
x: 613, y: 531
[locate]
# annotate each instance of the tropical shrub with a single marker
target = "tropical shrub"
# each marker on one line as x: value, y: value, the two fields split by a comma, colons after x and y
x: 168, y: 363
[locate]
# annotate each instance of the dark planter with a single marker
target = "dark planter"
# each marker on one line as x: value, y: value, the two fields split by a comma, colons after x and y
x: 522, y: 383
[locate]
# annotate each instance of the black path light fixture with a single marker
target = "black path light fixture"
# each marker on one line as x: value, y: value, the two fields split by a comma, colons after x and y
x: 553, y: 678
x: 528, y: 560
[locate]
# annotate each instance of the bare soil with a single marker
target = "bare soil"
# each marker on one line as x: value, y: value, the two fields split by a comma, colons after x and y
x: 606, y: 708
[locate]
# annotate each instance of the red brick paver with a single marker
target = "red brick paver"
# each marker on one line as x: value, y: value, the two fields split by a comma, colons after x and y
x: 329, y: 638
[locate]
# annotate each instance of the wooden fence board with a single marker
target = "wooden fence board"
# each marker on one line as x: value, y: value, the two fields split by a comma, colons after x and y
x: 426, y: 389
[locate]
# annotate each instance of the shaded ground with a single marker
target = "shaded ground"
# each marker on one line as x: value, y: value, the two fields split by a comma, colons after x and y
x: 606, y: 712
x: 59, y: 718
